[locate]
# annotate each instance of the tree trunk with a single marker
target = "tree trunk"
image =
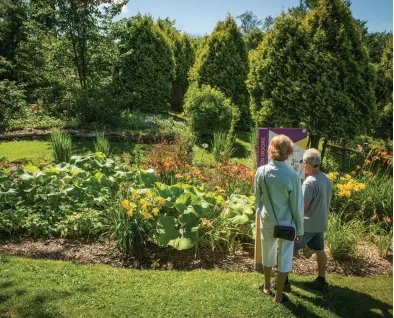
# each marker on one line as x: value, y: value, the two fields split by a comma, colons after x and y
x: 315, y: 142
x: 323, y: 152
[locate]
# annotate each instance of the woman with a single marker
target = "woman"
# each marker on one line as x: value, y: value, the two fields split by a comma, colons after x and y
x: 282, y: 204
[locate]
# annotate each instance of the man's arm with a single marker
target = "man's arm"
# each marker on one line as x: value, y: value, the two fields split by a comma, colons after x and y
x: 306, y: 206
x: 307, y: 192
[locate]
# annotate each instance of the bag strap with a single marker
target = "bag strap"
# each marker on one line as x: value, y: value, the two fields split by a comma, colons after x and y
x: 269, y: 197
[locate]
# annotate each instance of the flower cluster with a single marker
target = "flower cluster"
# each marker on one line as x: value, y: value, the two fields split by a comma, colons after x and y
x: 145, y: 203
x: 348, y: 186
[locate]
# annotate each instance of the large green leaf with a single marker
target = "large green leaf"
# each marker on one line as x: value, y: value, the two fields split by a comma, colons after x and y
x: 165, y: 230
x: 240, y: 219
x: 182, y: 243
x: 9, y: 195
x: 147, y: 178
x: 183, y: 202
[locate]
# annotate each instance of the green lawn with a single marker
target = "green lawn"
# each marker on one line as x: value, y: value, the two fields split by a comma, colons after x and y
x: 44, y: 288
x: 39, y: 153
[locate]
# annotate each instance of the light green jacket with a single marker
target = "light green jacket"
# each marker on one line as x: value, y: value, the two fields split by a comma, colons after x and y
x: 285, y: 189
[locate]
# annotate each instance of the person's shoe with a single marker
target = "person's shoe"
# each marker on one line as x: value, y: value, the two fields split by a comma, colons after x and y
x: 321, y: 285
x: 287, y: 287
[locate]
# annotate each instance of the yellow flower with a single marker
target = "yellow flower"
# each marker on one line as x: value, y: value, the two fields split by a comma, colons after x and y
x: 349, y: 186
x: 179, y: 176
x: 360, y: 186
x: 345, y: 193
x: 143, y: 202
x: 156, y: 211
x: 147, y: 215
x: 130, y: 212
x: 135, y: 194
x: 333, y: 175
x: 161, y: 201
x: 149, y: 194
x: 125, y: 204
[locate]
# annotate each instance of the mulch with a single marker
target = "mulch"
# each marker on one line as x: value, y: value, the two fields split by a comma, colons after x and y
x: 367, y: 261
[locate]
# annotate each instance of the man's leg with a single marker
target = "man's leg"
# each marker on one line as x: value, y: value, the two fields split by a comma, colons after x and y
x: 321, y: 263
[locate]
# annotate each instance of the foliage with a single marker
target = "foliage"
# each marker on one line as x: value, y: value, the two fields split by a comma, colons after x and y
x: 102, y: 144
x: 145, y: 69
x: 208, y: 110
x: 170, y: 159
x: 384, y: 93
x: 322, y: 66
x: 231, y: 178
x: 11, y: 101
x: 32, y: 117
x: 249, y: 21
x: 253, y: 39
x: 222, y: 62
x: 347, y: 91
x: 184, y: 55
x: 61, y: 146
x: 283, y: 52
x: 130, y: 230
x: 342, y: 236
x: 176, y: 213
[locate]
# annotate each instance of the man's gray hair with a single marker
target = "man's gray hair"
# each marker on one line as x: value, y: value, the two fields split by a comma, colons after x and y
x: 312, y: 157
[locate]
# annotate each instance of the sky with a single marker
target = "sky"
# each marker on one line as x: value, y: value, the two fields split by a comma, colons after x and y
x: 199, y: 17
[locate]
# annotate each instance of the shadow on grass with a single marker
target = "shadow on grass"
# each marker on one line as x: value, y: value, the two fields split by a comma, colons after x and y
x: 25, y: 303
x: 340, y: 301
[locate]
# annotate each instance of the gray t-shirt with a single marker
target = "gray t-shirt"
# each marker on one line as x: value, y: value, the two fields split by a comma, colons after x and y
x: 317, y: 190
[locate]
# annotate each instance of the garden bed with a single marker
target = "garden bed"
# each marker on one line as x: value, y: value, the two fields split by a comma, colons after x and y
x: 366, y: 263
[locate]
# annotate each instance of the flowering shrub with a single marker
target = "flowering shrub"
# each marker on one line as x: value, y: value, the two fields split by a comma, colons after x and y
x: 232, y: 178
x: 181, y: 216
x: 170, y: 158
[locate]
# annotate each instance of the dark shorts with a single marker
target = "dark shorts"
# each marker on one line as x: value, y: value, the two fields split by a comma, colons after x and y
x: 315, y: 241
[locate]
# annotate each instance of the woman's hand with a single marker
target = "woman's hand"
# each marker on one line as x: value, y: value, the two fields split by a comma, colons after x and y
x: 298, y: 239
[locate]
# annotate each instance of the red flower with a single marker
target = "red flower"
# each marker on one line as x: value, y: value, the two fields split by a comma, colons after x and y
x: 387, y: 219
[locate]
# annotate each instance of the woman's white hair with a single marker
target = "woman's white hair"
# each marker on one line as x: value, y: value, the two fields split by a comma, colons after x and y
x: 312, y: 157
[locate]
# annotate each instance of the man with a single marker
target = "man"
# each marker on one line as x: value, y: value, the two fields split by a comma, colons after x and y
x: 317, y: 197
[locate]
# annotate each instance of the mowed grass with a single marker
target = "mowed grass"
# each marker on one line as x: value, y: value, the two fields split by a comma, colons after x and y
x: 45, y: 288
x: 39, y: 153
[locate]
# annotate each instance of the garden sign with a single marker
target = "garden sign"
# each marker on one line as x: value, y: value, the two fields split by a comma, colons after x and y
x: 264, y: 135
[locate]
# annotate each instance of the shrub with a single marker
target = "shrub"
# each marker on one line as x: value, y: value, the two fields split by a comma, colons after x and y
x: 169, y: 159
x: 222, y: 62
x: 11, y: 101
x: 61, y: 146
x: 184, y: 55
x: 208, y: 110
x: 145, y: 69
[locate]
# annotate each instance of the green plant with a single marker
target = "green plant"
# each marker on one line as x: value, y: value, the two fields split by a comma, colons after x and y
x: 222, y: 62
x: 381, y: 233
x: 61, y: 146
x: 342, y: 236
x: 208, y: 110
x: 145, y: 68
x: 102, y: 144
x: 129, y: 229
x: 219, y: 145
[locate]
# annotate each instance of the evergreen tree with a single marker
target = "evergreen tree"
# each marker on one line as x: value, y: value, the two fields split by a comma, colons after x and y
x: 222, y: 62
